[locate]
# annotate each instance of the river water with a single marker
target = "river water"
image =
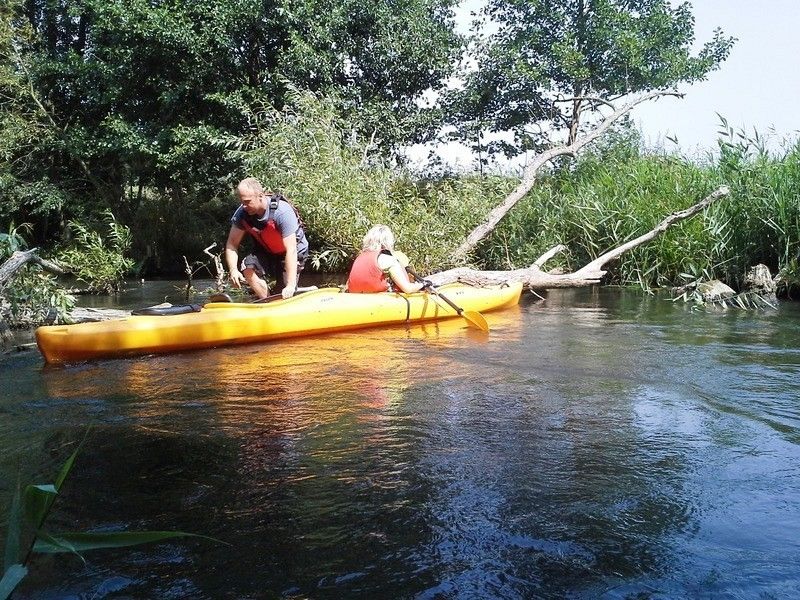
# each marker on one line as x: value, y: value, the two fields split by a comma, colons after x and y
x: 596, y: 444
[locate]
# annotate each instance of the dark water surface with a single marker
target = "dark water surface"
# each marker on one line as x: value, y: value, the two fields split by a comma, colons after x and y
x: 599, y: 444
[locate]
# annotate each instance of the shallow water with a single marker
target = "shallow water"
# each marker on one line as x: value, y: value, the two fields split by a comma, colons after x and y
x: 599, y: 444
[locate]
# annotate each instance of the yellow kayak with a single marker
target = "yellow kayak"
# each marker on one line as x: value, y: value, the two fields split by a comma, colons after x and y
x: 227, y: 323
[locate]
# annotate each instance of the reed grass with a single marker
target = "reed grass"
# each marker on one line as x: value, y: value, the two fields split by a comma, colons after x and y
x: 619, y: 191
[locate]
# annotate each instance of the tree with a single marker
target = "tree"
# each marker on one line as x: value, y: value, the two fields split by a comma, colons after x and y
x: 24, y: 125
x: 379, y: 57
x: 551, y: 61
x: 136, y: 96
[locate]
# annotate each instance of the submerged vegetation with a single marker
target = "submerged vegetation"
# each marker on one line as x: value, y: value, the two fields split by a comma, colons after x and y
x: 28, y: 535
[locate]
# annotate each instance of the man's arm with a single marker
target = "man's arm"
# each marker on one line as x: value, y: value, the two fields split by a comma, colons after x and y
x: 290, y: 266
x: 235, y: 237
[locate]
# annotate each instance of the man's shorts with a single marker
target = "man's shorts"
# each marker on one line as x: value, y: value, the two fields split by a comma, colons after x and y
x: 270, y: 265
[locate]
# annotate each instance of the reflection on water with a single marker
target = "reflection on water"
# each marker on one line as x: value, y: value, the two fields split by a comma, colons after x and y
x: 596, y: 444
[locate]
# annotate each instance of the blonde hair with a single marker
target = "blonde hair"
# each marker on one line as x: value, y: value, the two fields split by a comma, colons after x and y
x: 251, y: 184
x: 378, y: 238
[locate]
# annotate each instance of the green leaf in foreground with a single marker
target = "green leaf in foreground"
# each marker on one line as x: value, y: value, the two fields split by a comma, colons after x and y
x: 13, y: 575
x: 67, y: 466
x: 82, y: 541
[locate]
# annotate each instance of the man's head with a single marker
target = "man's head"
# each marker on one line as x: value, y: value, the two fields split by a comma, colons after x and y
x: 251, y: 196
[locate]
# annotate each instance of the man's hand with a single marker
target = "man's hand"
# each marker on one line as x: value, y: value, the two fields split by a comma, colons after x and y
x: 237, y: 279
x: 288, y: 291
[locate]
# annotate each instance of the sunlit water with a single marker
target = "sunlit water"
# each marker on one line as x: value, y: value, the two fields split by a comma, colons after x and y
x: 599, y: 444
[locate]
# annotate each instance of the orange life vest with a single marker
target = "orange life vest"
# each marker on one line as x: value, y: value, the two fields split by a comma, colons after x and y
x: 366, y: 276
x: 270, y: 237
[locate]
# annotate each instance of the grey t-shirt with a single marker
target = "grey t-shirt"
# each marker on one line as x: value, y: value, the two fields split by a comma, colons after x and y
x: 285, y: 222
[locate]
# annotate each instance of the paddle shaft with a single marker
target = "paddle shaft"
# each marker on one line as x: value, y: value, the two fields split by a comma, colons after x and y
x: 279, y: 296
x: 452, y: 304
x: 433, y: 290
x: 473, y: 317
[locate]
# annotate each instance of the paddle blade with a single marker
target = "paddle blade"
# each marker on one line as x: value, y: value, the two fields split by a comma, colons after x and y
x: 476, y: 319
x: 221, y: 297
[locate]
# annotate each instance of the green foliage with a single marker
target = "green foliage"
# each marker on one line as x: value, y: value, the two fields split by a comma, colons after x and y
x: 113, y: 104
x: 789, y: 279
x: 31, y: 508
x: 540, y: 56
x: 341, y: 189
x: 33, y: 296
x: 11, y: 578
x: 24, y: 129
x: 761, y: 221
x: 36, y: 297
x: 13, y: 240
x: 99, y: 261
x: 369, y: 54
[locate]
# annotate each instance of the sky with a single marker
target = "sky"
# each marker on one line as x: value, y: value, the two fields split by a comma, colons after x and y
x: 756, y: 89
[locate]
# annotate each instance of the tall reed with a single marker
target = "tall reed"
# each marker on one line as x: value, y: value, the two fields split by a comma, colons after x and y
x: 618, y: 191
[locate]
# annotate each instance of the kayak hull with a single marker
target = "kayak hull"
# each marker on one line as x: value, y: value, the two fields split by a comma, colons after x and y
x: 222, y: 323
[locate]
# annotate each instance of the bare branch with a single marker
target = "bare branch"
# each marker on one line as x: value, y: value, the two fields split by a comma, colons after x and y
x: 20, y: 258
x: 219, y: 277
x: 658, y: 230
x: 590, y: 99
x: 548, y: 255
x: 368, y: 147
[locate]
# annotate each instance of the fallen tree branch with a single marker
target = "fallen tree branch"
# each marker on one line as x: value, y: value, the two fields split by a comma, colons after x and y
x: 84, y: 314
x: 659, y: 229
x: 219, y: 277
x: 535, y: 278
x: 19, y: 259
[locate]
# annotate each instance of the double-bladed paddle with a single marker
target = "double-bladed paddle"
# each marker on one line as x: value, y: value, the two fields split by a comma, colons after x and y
x: 181, y: 309
x: 473, y: 317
